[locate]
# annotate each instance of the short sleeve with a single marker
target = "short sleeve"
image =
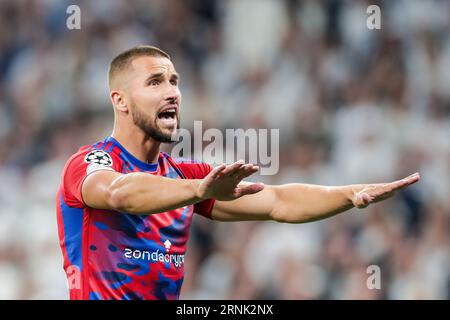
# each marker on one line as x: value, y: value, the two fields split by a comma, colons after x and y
x: 198, y: 170
x: 78, y: 167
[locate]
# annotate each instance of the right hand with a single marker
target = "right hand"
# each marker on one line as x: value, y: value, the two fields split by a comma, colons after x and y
x: 222, y: 183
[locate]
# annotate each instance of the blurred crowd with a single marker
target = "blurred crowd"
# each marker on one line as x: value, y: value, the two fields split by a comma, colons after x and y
x: 353, y: 105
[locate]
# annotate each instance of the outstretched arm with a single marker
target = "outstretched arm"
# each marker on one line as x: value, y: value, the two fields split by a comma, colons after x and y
x: 143, y: 193
x: 299, y: 203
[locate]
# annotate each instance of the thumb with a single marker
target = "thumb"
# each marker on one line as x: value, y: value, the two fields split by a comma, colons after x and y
x: 362, y: 200
x: 249, y: 189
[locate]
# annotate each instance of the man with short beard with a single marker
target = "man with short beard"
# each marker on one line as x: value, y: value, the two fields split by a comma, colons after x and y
x: 124, y: 208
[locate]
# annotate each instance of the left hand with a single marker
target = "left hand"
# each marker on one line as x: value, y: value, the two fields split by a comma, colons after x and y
x: 222, y: 183
x: 371, y: 193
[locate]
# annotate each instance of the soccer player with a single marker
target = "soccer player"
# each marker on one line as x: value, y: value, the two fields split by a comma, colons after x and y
x: 124, y: 208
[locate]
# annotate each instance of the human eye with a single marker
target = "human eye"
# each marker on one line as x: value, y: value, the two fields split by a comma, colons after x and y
x: 154, y: 82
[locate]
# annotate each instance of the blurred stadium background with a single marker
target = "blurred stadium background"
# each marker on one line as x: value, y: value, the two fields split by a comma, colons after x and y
x: 353, y: 105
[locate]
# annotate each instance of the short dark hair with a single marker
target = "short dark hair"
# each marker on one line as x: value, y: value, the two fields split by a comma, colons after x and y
x: 123, y: 60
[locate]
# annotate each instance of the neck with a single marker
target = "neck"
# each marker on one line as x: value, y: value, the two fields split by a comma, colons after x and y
x: 137, y: 143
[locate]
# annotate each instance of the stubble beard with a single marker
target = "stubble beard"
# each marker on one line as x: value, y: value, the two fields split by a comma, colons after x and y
x: 152, y: 131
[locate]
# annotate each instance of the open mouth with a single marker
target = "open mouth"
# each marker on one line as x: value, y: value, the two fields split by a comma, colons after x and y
x: 168, y: 114
x: 168, y: 117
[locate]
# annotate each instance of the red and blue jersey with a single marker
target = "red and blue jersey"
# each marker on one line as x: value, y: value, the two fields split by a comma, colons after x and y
x: 116, y: 255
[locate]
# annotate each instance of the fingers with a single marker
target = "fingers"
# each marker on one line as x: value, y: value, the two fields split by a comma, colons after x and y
x: 239, y: 170
x: 403, y: 182
x: 215, y: 173
x: 224, y: 170
x: 379, y: 192
x: 246, y: 171
x: 232, y: 168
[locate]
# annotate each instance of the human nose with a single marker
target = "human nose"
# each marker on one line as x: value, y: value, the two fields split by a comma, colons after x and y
x: 173, y: 94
